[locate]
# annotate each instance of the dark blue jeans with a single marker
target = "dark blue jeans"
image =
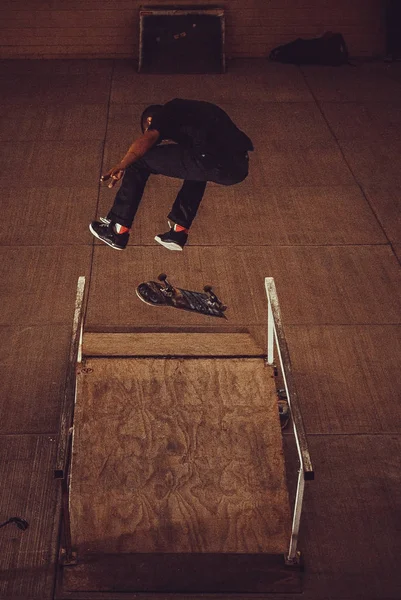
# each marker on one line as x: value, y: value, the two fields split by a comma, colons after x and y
x: 174, y: 161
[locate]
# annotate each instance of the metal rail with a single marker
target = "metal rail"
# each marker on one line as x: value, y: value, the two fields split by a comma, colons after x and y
x: 75, y: 356
x: 276, y: 339
x: 61, y: 472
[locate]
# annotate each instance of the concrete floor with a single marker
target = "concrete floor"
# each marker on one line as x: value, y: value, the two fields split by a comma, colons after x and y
x: 320, y: 212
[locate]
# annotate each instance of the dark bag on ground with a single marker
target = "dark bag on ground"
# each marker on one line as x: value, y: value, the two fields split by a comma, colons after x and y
x: 330, y: 49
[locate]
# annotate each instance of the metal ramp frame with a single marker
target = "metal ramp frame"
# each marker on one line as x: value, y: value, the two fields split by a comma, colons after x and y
x: 253, y: 572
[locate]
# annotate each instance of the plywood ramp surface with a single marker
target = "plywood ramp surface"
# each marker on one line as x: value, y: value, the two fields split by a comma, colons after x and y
x: 170, y: 344
x: 178, y: 455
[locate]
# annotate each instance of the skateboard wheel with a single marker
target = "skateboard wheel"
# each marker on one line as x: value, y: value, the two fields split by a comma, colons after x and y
x: 207, y: 288
x: 162, y: 277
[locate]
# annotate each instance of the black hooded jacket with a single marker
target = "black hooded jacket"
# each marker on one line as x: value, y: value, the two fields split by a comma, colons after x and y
x: 203, y: 128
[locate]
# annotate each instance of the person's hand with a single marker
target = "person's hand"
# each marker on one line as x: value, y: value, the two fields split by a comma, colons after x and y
x: 112, y: 176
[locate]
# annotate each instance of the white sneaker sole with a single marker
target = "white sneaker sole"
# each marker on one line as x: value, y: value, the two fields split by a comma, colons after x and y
x: 169, y: 245
x: 93, y: 232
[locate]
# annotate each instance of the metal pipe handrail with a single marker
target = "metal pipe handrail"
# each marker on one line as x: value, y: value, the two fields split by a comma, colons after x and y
x: 69, y: 387
x: 276, y: 336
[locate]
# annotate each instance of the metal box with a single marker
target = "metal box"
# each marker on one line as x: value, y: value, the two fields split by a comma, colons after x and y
x: 181, y: 39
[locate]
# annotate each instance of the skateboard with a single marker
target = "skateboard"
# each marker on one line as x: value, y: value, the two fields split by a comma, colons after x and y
x: 163, y: 293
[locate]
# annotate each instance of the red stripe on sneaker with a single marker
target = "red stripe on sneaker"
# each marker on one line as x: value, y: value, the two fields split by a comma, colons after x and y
x: 180, y: 228
x: 121, y: 228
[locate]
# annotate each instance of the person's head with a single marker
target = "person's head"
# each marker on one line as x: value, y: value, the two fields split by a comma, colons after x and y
x: 148, y: 115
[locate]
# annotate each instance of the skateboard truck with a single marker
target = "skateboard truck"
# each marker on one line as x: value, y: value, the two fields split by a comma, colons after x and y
x: 213, y: 298
x: 168, y: 289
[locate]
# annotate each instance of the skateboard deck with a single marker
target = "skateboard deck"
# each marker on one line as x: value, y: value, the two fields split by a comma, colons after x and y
x: 163, y: 293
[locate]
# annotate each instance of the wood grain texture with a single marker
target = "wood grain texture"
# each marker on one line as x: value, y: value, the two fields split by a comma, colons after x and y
x: 29, y: 491
x: 178, y: 456
x: 173, y: 344
x: 349, y: 530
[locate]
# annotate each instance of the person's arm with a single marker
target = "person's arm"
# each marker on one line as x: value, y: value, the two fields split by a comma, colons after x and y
x: 137, y: 149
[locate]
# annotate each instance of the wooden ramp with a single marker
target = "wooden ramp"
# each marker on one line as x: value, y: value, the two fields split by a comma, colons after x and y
x: 177, y: 479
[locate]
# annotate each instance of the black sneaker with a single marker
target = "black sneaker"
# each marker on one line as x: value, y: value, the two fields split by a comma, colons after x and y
x: 173, y: 240
x: 106, y: 233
